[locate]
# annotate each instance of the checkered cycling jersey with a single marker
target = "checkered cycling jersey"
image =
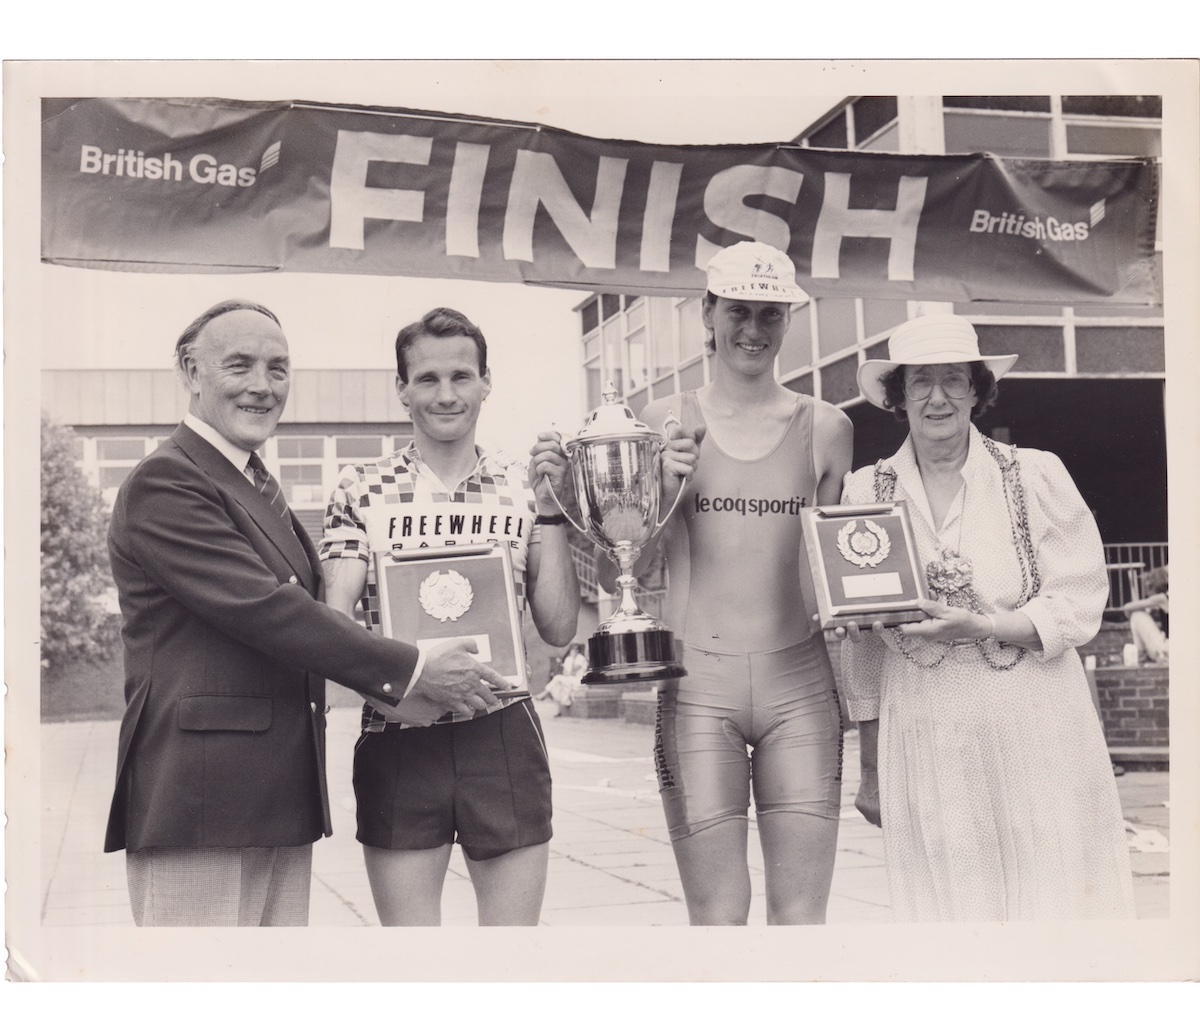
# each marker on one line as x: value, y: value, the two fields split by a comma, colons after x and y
x: 399, y: 503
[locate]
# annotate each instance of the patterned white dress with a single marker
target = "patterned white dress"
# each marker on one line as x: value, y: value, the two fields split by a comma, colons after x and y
x: 997, y: 793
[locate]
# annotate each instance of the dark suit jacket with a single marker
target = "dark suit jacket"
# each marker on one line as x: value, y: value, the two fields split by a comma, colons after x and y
x: 226, y: 652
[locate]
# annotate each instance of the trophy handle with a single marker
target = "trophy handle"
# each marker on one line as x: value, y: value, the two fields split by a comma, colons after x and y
x: 670, y: 419
x: 559, y: 505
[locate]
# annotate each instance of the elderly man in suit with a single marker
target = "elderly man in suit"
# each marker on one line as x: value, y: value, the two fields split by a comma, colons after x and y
x: 220, y: 786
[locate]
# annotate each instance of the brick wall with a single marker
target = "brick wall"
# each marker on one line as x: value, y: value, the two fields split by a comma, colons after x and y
x: 1109, y: 641
x: 1133, y: 705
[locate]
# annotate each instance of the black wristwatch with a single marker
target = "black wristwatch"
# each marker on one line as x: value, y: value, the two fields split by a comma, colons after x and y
x: 550, y: 519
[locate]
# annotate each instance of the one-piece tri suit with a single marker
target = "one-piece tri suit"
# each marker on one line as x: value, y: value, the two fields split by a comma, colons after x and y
x: 758, y: 677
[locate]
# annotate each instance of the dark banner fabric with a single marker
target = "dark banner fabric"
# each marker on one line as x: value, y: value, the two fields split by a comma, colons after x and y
x: 196, y: 185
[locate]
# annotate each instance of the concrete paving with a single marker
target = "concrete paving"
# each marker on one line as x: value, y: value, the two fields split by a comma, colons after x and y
x: 610, y: 859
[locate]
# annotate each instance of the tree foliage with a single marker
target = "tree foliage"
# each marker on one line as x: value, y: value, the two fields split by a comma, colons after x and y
x: 75, y: 568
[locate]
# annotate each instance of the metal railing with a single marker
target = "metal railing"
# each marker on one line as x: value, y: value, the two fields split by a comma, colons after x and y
x: 1126, y: 563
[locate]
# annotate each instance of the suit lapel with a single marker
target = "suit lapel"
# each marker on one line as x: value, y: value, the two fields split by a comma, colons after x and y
x: 232, y: 481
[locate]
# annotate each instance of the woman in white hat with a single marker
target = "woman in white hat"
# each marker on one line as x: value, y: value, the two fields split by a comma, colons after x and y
x: 759, y: 707
x: 994, y: 784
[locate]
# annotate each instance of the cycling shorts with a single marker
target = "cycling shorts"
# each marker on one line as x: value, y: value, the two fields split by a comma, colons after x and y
x: 767, y: 720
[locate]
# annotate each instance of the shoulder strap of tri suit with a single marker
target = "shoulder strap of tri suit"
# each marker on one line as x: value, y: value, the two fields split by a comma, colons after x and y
x: 691, y: 416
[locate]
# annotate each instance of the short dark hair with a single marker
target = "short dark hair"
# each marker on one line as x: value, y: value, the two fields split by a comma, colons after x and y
x: 706, y: 305
x: 986, y: 389
x: 441, y: 323
x: 183, y: 345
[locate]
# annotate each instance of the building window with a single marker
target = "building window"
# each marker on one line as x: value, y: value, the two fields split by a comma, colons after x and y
x: 691, y: 330
x: 1114, y: 106
x: 882, y: 315
x: 876, y: 352
x: 1114, y: 140
x: 120, y: 450
x: 872, y: 113
x: 839, y: 380
x: 610, y: 303
x: 661, y: 337
x: 614, y: 362
x: 302, y: 483
x: 1008, y: 309
x: 590, y: 316
x: 796, y: 351
x: 888, y: 141
x: 998, y: 134
x: 115, y: 458
x: 1119, y: 349
x: 638, y: 359
x: 301, y: 469
x: 638, y: 400
x: 837, y: 327
x: 297, y: 447
x: 1039, y: 104
x: 635, y: 313
x: 1039, y: 347
x: 691, y: 377
x: 110, y: 478
x: 594, y: 385
x: 832, y: 135
x: 358, y: 447
x: 801, y: 384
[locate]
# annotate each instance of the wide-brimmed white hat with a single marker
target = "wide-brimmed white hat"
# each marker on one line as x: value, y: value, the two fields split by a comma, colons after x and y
x: 754, y: 271
x: 931, y: 339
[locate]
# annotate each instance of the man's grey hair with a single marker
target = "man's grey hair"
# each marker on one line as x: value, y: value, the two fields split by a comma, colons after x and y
x: 183, y: 346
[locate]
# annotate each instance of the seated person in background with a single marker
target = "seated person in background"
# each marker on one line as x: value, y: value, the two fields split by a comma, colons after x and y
x: 565, y: 686
x: 1149, y: 618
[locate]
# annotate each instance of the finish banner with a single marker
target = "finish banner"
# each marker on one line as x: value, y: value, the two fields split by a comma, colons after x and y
x: 195, y: 185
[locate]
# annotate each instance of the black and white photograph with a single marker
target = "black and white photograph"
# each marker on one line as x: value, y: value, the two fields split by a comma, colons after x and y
x: 639, y: 375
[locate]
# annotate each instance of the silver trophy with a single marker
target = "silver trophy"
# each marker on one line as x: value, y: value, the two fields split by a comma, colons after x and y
x: 615, y: 466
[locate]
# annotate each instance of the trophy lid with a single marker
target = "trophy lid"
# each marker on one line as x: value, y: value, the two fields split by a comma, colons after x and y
x: 612, y: 420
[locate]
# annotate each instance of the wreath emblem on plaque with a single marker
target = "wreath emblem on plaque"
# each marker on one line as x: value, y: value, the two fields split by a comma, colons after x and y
x: 864, y: 549
x: 446, y: 595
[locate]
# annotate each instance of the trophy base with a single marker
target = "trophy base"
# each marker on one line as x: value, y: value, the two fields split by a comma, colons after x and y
x: 628, y: 657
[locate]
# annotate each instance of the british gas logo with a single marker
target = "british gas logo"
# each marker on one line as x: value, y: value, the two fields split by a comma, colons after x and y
x: 202, y: 168
x: 1037, y: 227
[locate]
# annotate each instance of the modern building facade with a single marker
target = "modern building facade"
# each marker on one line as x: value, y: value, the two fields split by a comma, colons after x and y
x: 332, y: 419
x: 1089, y: 384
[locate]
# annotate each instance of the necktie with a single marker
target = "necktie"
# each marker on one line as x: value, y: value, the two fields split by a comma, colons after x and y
x: 265, y: 482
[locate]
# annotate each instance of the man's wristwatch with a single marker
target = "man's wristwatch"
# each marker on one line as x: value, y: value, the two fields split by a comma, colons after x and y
x: 550, y: 519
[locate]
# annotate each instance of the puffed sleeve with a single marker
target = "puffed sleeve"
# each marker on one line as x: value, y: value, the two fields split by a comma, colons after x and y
x: 1070, y: 556
x: 862, y: 661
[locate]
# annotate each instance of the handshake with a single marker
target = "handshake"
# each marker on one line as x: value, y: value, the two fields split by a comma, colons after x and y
x: 451, y: 681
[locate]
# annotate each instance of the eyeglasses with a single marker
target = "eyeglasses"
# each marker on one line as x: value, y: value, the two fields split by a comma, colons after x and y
x: 955, y: 384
